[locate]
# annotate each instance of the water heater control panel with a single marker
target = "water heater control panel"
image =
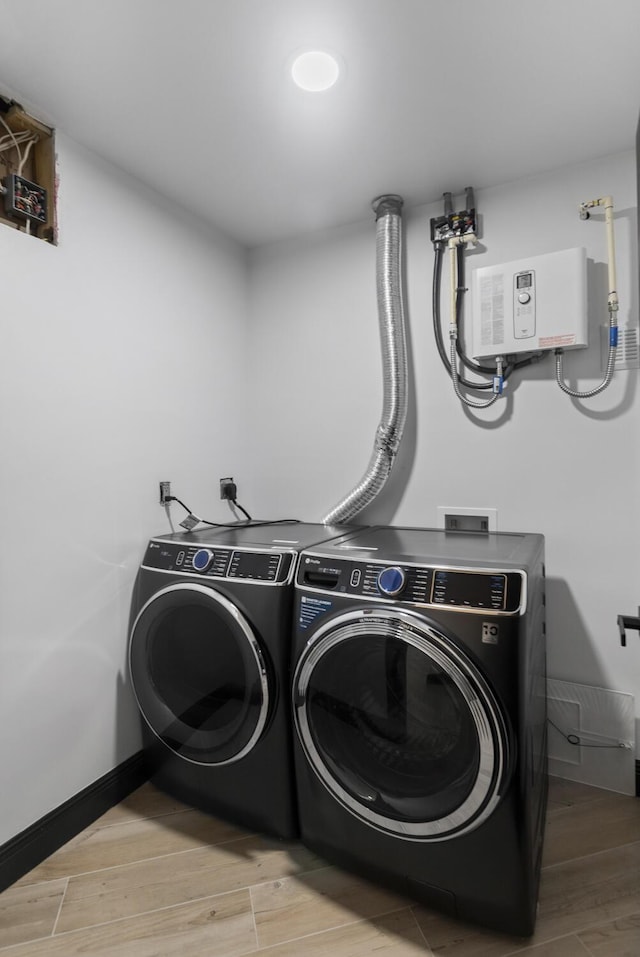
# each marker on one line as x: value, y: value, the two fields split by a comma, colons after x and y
x: 524, y: 304
x: 530, y: 305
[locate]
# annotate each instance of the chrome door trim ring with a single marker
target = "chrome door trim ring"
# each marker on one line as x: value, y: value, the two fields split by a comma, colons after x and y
x: 254, y: 647
x: 485, y: 712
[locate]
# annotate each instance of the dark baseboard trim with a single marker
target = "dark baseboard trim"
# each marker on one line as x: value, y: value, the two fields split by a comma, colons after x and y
x: 29, y: 848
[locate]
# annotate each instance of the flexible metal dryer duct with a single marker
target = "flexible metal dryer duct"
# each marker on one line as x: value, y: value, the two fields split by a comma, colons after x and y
x: 394, y: 361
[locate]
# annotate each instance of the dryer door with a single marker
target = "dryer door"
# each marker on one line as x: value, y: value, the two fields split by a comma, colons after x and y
x: 198, y: 674
x: 400, y: 725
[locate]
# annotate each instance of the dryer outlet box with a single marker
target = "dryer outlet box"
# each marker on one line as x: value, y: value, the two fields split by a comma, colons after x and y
x: 463, y: 518
x: 531, y: 305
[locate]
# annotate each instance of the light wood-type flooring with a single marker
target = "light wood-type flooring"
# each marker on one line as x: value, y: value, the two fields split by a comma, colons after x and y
x: 153, y: 878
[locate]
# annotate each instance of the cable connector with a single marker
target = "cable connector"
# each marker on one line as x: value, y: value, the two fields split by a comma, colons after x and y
x: 228, y: 489
x: 190, y: 522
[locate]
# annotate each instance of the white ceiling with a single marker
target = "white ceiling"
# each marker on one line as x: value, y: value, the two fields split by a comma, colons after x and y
x: 194, y: 96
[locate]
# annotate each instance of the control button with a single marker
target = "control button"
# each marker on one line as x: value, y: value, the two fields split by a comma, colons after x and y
x: 180, y: 558
x: 391, y: 581
x: 202, y: 559
x: 354, y: 581
x: 524, y: 297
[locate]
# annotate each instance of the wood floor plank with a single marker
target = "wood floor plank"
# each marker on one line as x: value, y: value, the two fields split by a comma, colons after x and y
x: 178, y: 878
x: 100, y: 847
x: 392, y: 935
x: 457, y: 938
x: 221, y: 926
x: 591, y: 826
x: 201, y: 876
x: 620, y: 938
x: 573, y: 896
x: 316, y: 901
x: 563, y: 793
x: 27, y: 913
x: 564, y: 947
x: 587, y: 891
x: 146, y: 801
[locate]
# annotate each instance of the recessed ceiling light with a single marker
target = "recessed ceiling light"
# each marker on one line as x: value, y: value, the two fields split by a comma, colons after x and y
x: 315, y: 71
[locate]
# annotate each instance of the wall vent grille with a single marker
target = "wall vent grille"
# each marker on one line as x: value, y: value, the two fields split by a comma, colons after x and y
x: 628, y: 351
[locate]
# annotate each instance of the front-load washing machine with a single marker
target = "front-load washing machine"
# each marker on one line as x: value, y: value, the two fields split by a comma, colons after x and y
x: 420, y: 715
x: 209, y: 658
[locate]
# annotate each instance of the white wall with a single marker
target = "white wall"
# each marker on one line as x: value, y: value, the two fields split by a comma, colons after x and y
x: 121, y: 353
x: 548, y: 464
x: 124, y: 361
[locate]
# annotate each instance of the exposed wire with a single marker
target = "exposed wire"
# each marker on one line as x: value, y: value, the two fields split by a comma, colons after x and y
x: 25, y: 157
x: 12, y: 136
x: 249, y: 523
x: 241, y: 509
x: 13, y: 141
x: 577, y: 742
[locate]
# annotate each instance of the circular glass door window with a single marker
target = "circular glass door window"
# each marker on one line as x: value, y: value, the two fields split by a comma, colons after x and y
x: 199, y: 674
x: 399, y: 725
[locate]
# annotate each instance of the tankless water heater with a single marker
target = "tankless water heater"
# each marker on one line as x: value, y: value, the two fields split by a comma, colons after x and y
x: 531, y: 305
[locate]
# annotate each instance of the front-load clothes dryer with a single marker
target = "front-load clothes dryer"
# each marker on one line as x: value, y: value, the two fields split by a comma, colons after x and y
x: 209, y: 658
x: 420, y: 715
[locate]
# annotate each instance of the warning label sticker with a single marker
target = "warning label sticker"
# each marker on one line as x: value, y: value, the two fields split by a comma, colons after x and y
x: 311, y: 609
x: 556, y: 342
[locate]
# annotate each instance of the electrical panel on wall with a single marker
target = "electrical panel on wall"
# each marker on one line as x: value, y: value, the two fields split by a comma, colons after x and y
x: 27, y: 172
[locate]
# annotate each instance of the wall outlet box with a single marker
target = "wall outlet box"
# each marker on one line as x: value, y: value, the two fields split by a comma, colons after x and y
x: 530, y: 305
x: 463, y: 518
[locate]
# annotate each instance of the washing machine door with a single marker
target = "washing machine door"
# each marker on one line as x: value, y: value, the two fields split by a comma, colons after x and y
x: 400, y: 725
x: 199, y: 674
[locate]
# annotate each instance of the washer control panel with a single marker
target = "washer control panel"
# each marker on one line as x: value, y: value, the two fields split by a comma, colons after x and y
x: 210, y: 561
x: 392, y: 581
x: 464, y: 589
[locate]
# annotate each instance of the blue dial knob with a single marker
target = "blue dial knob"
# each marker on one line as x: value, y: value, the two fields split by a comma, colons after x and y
x: 202, y: 559
x: 391, y: 581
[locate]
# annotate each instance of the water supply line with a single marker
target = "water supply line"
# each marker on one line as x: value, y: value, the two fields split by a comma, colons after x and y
x: 498, y: 379
x: 612, y: 303
x: 455, y: 232
x: 394, y: 361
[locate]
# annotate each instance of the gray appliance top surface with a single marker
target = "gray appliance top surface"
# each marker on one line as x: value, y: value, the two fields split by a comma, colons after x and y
x: 283, y: 535
x: 435, y: 546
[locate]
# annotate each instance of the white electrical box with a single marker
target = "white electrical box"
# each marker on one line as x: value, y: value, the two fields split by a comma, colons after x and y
x: 531, y: 305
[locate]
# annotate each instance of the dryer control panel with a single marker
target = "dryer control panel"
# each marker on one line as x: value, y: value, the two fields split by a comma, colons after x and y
x: 270, y: 567
x: 460, y: 588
